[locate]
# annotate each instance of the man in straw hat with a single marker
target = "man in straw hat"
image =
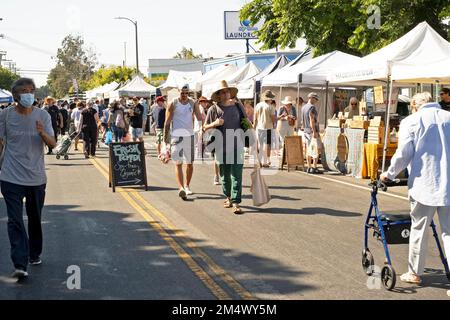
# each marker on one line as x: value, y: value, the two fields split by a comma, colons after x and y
x: 264, y: 123
x: 226, y: 117
x: 179, y: 133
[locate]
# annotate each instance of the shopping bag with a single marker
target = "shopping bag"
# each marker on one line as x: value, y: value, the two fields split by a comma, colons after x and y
x: 313, y: 149
x: 259, y: 189
x: 108, y: 138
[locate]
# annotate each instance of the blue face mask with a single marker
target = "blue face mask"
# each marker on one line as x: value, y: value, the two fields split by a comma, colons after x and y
x: 26, y: 100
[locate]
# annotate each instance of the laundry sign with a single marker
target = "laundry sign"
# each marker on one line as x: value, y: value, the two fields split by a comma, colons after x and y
x: 237, y: 29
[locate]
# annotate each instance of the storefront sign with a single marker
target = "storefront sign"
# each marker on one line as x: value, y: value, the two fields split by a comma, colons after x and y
x: 235, y: 29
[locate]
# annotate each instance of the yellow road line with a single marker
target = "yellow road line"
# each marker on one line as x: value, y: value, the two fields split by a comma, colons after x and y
x: 229, y: 280
x: 198, y: 271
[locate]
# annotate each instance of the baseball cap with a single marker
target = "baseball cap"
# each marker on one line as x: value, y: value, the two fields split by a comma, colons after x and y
x: 160, y: 99
x: 313, y: 95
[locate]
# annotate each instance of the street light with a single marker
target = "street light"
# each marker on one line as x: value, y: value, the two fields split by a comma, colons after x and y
x: 137, y: 46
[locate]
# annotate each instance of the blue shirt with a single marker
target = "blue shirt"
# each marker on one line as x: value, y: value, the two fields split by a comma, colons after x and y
x: 424, y: 148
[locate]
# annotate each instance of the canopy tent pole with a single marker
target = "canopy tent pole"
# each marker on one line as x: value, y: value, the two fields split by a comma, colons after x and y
x: 388, y: 116
x: 326, y: 103
x: 255, y: 94
x: 437, y: 91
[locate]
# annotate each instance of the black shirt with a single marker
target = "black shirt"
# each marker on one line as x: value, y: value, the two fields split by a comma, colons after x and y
x: 54, y: 115
x: 89, y: 118
x: 159, y: 116
x: 445, y: 105
x: 136, y: 121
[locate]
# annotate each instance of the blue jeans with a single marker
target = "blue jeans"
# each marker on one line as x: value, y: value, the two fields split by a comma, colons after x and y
x: 118, y: 133
x: 24, y: 248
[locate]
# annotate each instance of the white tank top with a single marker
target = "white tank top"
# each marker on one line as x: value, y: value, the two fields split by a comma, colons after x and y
x: 182, y: 123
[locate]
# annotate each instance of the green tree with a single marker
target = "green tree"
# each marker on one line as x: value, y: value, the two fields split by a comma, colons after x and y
x: 74, y: 62
x: 42, y: 92
x: 7, y: 78
x: 188, y: 54
x: 329, y: 25
x: 106, y: 75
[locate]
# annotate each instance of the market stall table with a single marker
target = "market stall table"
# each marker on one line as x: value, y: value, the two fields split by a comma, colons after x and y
x: 373, y: 155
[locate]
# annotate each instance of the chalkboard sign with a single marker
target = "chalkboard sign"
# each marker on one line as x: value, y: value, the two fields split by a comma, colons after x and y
x: 127, y: 165
x: 293, y: 153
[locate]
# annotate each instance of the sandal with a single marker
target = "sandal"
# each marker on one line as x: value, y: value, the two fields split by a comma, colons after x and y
x: 227, y: 204
x: 411, y: 278
x: 237, y: 209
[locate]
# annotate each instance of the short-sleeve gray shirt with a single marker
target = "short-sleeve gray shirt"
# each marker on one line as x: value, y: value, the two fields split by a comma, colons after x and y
x: 23, y: 163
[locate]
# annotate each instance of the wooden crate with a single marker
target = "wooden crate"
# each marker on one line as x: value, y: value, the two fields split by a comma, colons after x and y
x: 336, y: 123
x: 359, y: 124
x: 376, y: 135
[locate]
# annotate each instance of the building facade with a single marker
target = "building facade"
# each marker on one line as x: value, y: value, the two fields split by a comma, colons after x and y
x: 158, y: 69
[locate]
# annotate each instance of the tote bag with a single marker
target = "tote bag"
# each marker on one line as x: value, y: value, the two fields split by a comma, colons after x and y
x: 259, y: 189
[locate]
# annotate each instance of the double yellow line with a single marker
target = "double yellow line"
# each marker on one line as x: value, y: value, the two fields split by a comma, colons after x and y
x: 178, y: 242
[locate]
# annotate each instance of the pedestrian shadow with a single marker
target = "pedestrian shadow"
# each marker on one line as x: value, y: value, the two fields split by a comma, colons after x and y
x: 122, y: 258
x: 302, y: 211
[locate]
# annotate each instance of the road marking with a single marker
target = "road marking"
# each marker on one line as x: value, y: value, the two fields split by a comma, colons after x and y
x: 355, y: 186
x: 230, y: 281
x: 198, y: 271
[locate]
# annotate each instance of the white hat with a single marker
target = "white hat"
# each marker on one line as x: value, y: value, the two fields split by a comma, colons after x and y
x: 288, y: 100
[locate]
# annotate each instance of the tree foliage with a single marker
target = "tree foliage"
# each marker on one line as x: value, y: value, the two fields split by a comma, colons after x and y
x: 7, y: 78
x: 329, y: 25
x: 106, y: 75
x: 74, y: 62
x: 42, y: 92
x: 187, y: 54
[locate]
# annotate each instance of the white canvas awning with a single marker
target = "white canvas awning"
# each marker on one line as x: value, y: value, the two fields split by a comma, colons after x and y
x: 177, y: 79
x: 100, y: 91
x: 5, y: 96
x: 209, y: 81
x: 312, y: 72
x: 420, y: 56
x: 135, y: 88
x: 247, y: 87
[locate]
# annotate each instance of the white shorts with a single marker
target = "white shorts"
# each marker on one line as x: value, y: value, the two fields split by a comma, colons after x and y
x: 183, y: 149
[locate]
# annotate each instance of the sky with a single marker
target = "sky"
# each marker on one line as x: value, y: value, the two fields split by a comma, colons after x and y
x: 34, y: 30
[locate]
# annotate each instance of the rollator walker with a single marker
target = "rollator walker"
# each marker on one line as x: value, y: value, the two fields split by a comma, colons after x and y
x: 390, y: 229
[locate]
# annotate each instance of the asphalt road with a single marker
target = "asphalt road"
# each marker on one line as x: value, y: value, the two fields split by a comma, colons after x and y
x: 305, y: 244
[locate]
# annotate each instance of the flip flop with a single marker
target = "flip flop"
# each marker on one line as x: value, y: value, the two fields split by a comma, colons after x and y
x: 237, y: 209
x: 227, y: 204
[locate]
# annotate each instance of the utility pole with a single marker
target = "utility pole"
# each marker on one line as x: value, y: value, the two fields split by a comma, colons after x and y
x: 137, y: 41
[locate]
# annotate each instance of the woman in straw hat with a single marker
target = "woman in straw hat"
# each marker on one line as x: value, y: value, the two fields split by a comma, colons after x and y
x: 226, y: 117
x: 287, y: 116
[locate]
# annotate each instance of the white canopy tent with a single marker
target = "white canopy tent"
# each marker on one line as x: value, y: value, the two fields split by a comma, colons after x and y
x: 177, y: 79
x: 5, y: 96
x: 312, y: 72
x: 135, y: 88
x: 247, y: 87
x: 208, y: 82
x: 420, y: 56
x: 100, y: 91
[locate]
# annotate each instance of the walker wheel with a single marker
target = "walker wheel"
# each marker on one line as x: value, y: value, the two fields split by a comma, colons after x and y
x: 367, y: 262
x: 66, y: 157
x: 58, y: 157
x: 388, y: 277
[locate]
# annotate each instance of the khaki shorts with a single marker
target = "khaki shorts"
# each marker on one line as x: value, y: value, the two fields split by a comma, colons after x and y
x: 183, y: 149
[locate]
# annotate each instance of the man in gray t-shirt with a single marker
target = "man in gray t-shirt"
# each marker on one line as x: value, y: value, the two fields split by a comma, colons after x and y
x: 311, y: 130
x: 24, y: 130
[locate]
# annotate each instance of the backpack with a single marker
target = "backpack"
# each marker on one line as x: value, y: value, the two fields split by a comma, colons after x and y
x: 120, y: 120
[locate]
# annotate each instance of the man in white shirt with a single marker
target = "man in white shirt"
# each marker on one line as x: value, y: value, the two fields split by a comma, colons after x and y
x: 264, y: 123
x: 179, y: 126
x: 424, y: 148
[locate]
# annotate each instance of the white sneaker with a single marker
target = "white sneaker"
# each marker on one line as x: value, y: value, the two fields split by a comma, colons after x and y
x: 188, y: 191
x: 20, y: 274
x: 182, y: 194
x: 216, y: 181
